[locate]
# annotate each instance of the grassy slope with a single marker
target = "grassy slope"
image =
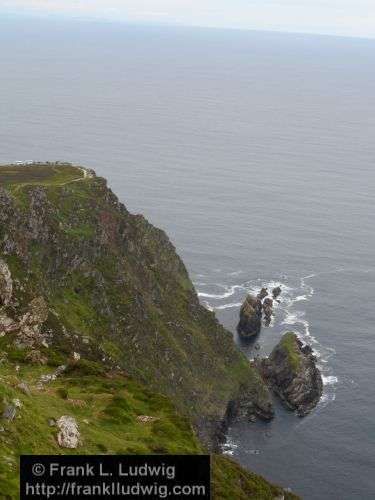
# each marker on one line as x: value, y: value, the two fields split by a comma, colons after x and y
x: 105, y: 405
x: 232, y: 482
x: 288, y: 342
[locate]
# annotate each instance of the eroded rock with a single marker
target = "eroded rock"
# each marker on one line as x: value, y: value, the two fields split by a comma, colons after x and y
x: 291, y: 372
x: 9, y: 412
x: 6, y: 284
x: 267, y: 310
x: 250, y: 317
x: 262, y: 294
x: 30, y: 324
x: 68, y: 435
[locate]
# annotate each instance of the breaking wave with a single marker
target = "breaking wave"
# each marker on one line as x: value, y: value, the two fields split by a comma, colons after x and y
x: 289, y: 312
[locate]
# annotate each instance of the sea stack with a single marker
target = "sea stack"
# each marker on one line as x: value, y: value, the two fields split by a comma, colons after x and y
x: 267, y: 310
x: 250, y: 317
x: 262, y: 294
x: 291, y: 372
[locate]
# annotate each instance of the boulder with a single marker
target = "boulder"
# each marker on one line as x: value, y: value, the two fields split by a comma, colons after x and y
x: 250, y: 317
x: 23, y: 387
x: 267, y: 310
x: 68, y: 435
x: 9, y: 412
x: 291, y: 372
x: 262, y: 294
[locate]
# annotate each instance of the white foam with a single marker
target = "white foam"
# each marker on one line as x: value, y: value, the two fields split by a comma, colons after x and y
x: 290, y: 319
x: 229, y: 306
x: 228, y: 452
x: 288, y: 310
x: 300, y: 298
x: 230, y: 290
x: 229, y: 447
x: 308, y: 277
x: 329, y: 380
x: 235, y: 273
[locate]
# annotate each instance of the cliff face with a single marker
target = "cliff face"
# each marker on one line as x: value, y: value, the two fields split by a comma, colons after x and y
x: 79, y: 273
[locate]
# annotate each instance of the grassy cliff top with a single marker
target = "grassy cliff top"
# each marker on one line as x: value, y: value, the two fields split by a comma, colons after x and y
x: 45, y: 174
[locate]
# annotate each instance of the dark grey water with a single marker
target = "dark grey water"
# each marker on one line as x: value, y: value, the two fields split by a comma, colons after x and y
x: 256, y: 153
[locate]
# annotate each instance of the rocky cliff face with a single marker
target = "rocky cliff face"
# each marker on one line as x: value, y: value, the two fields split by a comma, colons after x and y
x: 104, y: 347
x: 291, y: 372
x: 79, y: 273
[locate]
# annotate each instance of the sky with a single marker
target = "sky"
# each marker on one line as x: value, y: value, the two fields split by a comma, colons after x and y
x: 332, y: 17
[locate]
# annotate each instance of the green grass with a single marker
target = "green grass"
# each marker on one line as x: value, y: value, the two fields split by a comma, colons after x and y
x: 106, y: 407
x: 288, y: 342
x: 230, y: 481
x: 53, y: 174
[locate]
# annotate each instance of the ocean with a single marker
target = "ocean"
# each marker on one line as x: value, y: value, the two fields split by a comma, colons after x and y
x: 256, y: 153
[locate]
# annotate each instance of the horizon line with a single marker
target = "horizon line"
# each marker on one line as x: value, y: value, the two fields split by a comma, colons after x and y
x: 148, y: 23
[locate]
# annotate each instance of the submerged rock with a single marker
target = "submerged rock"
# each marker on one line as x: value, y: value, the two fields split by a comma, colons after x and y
x: 291, y: 372
x: 250, y: 317
x: 68, y: 436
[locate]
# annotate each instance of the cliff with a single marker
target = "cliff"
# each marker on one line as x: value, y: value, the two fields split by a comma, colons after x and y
x: 99, y: 320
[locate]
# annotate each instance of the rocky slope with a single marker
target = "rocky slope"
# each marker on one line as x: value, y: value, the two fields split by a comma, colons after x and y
x: 291, y: 372
x: 101, y: 331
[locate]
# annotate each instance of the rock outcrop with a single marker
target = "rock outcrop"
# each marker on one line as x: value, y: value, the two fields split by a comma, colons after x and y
x: 291, y: 372
x: 250, y: 317
x: 267, y: 310
x: 262, y: 294
x: 254, y: 309
x: 26, y: 326
x: 68, y: 435
x: 6, y: 284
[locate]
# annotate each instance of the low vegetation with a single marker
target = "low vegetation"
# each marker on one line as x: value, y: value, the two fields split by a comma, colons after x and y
x: 288, y: 342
